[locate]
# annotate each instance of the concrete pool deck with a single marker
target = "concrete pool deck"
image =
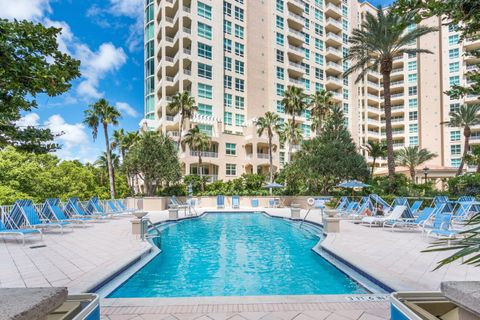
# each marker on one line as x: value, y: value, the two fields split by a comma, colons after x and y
x: 82, y: 259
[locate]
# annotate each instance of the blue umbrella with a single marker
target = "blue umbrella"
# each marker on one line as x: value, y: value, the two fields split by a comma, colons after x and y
x: 273, y: 185
x: 353, y: 184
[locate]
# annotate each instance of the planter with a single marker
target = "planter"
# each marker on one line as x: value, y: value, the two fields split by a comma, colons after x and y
x: 140, y: 214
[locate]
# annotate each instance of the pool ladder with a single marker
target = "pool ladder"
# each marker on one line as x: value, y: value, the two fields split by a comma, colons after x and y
x: 146, y: 225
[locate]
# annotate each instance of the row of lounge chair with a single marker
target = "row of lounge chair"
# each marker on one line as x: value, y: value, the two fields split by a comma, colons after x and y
x: 24, y: 219
x: 442, y: 218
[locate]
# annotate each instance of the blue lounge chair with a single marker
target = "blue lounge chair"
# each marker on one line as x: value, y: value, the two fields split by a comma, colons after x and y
x: 419, y: 221
x: 351, y: 207
x: 254, y: 202
x: 377, y: 200
x: 30, y: 217
x: 95, y: 209
x: 416, y: 206
x: 235, y: 202
x: 435, y: 219
x: 342, y: 203
x: 122, y: 206
x: 114, y: 208
x: 360, y: 211
x: 444, y: 230
x: 52, y: 211
x: 23, y: 233
x: 220, y: 201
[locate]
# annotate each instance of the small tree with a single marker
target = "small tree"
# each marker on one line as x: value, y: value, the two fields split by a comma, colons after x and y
x: 294, y: 101
x: 473, y: 158
x: 465, y: 117
x: 184, y: 104
x: 102, y: 113
x: 30, y: 64
x: 153, y: 158
x: 412, y: 157
x: 199, y: 142
x: 270, y: 122
x: 375, y: 150
x: 291, y: 134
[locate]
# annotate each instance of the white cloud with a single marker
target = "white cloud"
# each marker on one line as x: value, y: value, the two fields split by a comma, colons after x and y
x: 24, y: 9
x: 96, y: 65
x: 126, y: 108
x: 31, y: 119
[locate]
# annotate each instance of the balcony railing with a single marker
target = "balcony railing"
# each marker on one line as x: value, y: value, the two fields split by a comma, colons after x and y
x: 205, y: 154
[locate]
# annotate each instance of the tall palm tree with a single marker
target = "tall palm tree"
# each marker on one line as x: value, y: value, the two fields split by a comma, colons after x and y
x: 184, y: 104
x: 465, y: 117
x: 199, y: 142
x: 119, y: 142
x: 413, y: 157
x: 294, y: 101
x: 270, y: 122
x: 102, y: 164
x: 473, y: 158
x: 321, y: 104
x: 375, y: 150
x: 292, y: 134
x: 379, y: 39
x: 102, y: 113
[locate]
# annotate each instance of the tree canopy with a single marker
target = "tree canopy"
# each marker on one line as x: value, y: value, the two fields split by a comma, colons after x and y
x: 30, y: 64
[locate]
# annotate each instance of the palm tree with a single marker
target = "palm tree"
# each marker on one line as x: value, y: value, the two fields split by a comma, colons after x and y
x: 375, y: 150
x: 199, y: 142
x: 292, y: 134
x: 102, y: 164
x: 119, y: 142
x: 465, y: 117
x: 413, y: 157
x: 473, y: 158
x: 379, y: 39
x: 184, y: 104
x: 321, y: 104
x: 101, y: 113
x: 294, y: 101
x: 270, y: 122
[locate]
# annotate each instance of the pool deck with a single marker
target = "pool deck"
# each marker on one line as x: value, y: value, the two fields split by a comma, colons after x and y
x: 82, y: 259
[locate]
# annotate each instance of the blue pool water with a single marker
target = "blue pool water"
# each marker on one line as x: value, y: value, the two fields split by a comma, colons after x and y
x: 240, y: 254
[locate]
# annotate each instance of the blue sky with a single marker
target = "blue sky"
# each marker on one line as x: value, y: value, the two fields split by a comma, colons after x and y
x: 107, y: 36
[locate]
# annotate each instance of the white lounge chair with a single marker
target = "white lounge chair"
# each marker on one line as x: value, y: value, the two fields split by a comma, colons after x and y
x: 396, y: 214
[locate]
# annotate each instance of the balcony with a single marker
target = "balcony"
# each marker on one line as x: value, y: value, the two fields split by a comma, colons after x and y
x: 263, y: 155
x: 373, y: 84
x: 298, y: 82
x: 296, y: 68
x: 397, y: 70
x: 296, y: 36
x: 334, y: 54
x: 397, y: 83
x: 333, y: 25
x: 296, y: 21
x: 334, y: 82
x: 295, y: 52
x: 333, y: 66
x: 204, y: 154
x: 296, y: 5
x: 332, y: 10
x: 334, y: 39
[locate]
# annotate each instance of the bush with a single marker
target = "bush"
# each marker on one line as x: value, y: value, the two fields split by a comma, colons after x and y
x: 467, y: 184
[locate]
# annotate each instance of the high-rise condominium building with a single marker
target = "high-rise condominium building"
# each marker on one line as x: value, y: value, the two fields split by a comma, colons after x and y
x: 237, y: 57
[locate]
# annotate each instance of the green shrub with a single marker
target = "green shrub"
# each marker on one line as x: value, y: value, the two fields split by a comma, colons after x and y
x: 467, y: 184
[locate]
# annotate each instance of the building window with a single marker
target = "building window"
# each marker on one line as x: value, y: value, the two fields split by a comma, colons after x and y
x: 227, y: 82
x: 227, y: 118
x: 204, y: 71
x: 412, y: 65
x: 455, y: 135
x: 279, y: 5
x: 227, y: 100
x: 412, y: 91
x: 279, y: 39
x: 239, y: 102
x: 227, y: 27
x: 205, y: 31
x: 454, y: 107
x: 413, y: 115
x: 280, y: 107
x: 280, y: 73
x: 413, y: 128
x: 239, y: 85
x: 455, y: 149
x: 412, y: 77
x: 239, y: 49
x: 239, y: 119
x: 230, y: 149
x: 227, y: 8
x: 413, y: 141
x: 452, y: 27
x: 204, y: 10
x: 206, y: 129
x: 239, y: 31
x: 239, y: 67
x: 239, y: 14
x: 204, y: 91
x: 453, y: 39
x: 227, y: 62
x: 454, y: 81
x: 204, y: 109
x: 413, y: 103
x: 455, y: 162
x: 454, y: 67
x: 204, y: 51
x: 453, y: 53
x: 231, y: 169
x: 279, y: 55
x: 279, y: 22
x: 227, y: 45
x: 280, y: 89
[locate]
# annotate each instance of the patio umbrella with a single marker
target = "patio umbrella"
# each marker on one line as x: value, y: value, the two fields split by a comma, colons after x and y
x: 352, y: 184
x: 272, y: 185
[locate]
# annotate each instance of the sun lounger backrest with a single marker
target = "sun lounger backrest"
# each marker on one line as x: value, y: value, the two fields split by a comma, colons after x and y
x: 31, y: 215
x: 415, y: 206
x: 220, y: 200
x: 342, y: 203
x: 397, y: 213
x: 446, y: 220
x: 2, y: 226
x: 14, y: 219
x: 121, y: 205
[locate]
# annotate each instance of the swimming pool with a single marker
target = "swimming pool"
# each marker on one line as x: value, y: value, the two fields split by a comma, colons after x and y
x: 237, y: 254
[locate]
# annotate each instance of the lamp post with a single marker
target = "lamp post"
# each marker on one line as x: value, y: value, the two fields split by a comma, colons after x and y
x: 425, y: 173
